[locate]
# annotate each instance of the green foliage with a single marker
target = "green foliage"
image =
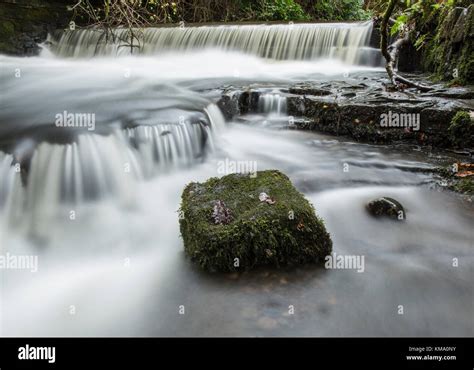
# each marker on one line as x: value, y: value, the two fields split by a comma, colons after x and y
x: 284, y: 233
x: 461, y: 129
x: 286, y: 10
x: 195, y: 11
x: 445, y: 45
x: 420, y: 42
x: 448, y: 46
x: 399, y: 24
x: 340, y: 10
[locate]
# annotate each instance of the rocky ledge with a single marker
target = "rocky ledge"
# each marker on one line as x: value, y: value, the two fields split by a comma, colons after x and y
x: 362, y: 107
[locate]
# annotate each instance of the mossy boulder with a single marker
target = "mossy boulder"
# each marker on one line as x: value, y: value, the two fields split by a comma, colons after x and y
x: 461, y: 130
x: 240, y: 221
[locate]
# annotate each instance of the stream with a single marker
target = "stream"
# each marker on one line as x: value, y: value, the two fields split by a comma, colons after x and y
x: 99, y: 204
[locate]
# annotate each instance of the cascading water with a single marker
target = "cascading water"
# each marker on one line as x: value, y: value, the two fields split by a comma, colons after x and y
x: 11, y: 191
x: 7, y: 178
x: 119, y: 261
x: 348, y: 42
x: 100, y: 166
x: 272, y: 104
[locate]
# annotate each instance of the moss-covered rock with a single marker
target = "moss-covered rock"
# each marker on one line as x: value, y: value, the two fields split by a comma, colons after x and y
x: 266, y: 221
x: 448, y: 44
x: 25, y: 23
x: 461, y: 130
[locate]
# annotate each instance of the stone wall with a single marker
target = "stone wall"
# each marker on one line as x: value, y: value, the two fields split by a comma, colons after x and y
x: 24, y: 23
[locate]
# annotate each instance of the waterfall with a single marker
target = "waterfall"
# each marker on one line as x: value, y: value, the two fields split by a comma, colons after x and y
x: 7, y: 178
x: 272, y: 103
x: 10, y: 182
x: 61, y: 177
x: 11, y: 193
x: 348, y: 42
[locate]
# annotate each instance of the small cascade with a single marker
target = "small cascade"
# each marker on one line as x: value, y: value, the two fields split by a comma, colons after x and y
x: 166, y: 146
x: 347, y: 42
x: 7, y: 178
x: 11, y: 192
x: 10, y: 181
x: 92, y: 167
x: 272, y: 104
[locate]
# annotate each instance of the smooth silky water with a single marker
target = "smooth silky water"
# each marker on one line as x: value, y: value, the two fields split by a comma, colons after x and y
x: 118, y: 267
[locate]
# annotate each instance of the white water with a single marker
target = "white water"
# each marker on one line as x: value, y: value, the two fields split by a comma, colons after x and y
x: 347, y: 42
x: 118, y: 267
x: 272, y: 103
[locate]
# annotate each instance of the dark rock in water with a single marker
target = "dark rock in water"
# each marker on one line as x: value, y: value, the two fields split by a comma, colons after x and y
x: 248, y: 101
x: 239, y: 222
x: 386, y: 207
x: 229, y: 105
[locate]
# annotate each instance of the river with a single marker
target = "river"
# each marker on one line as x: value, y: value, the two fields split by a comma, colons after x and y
x: 99, y: 204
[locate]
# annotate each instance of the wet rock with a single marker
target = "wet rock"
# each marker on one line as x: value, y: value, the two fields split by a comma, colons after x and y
x: 386, y: 207
x: 308, y: 89
x: 25, y: 23
x: 355, y: 109
x: 358, y: 113
x: 229, y: 105
x: 248, y: 101
x: 284, y: 232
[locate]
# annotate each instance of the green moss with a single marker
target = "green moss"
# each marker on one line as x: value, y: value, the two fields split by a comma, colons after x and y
x: 448, y: 55
x: 465, y: 186
x: 284, y: 233
x: 466, y: 64
x: 7, y: 30
x: 461, y: 130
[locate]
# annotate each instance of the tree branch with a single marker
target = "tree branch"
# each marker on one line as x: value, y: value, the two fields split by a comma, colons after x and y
x: 390, y: 53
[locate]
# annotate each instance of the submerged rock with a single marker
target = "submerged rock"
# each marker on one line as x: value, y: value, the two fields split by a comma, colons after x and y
x: 283, y: 231
x: 386, y: 207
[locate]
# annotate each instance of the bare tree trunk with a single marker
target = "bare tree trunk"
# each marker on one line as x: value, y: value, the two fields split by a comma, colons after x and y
x: 391, y: 52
